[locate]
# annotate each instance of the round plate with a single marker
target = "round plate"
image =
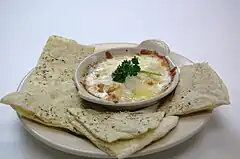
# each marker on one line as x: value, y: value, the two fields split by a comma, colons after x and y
x: 63, y: 141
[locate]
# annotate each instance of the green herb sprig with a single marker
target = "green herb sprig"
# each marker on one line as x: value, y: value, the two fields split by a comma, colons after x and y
x: 129, y: 68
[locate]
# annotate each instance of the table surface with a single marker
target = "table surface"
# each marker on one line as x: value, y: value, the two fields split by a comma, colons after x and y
x: 202, y: 31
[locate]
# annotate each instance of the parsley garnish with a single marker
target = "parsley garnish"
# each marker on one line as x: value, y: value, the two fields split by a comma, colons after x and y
x: 128, y: 68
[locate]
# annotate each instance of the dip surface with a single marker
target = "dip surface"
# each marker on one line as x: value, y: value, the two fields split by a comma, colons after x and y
x: 98, y: 80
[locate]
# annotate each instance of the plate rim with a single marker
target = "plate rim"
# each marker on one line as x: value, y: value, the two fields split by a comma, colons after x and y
x: 97, y: 155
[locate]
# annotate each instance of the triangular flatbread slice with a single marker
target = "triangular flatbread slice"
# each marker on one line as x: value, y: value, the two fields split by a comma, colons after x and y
x: 125, y: 148
x: 199, y: 88
x: 50, y: 88
x: 112, y: 126
x: 47, y: 104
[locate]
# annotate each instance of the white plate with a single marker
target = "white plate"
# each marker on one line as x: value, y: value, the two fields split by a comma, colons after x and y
x: 63, y: 141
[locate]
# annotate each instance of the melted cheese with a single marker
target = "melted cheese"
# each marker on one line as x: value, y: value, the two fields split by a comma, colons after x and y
x: 99, y: 81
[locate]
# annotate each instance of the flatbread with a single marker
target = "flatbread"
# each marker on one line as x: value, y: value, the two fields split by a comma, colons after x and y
x: 50, y: 88
x: 48, y: 104
x: 200, y: 88
x: 125, y: 148
x: 112, y: 126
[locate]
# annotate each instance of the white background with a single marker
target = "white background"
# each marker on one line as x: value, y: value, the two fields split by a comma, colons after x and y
x: 206, y: 30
